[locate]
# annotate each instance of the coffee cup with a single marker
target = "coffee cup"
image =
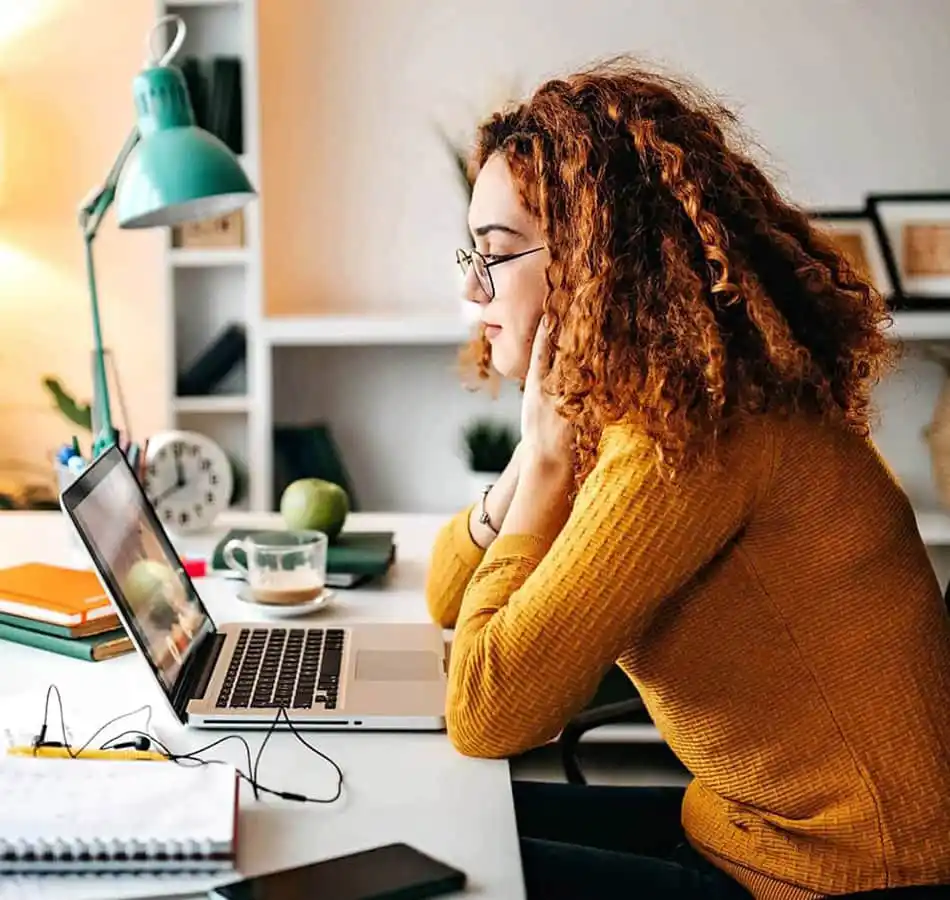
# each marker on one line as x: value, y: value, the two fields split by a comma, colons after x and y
x: 283, y: 568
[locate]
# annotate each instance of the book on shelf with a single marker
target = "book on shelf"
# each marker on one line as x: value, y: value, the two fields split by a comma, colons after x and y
x: 310, y: 451
x: 202, y: 375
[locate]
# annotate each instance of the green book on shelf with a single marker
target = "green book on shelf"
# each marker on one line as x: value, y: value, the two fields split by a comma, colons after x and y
x: 353, y: 557
x: 94, y: 648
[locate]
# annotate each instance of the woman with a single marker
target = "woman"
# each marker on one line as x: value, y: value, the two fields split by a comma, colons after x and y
x: 696, y: 498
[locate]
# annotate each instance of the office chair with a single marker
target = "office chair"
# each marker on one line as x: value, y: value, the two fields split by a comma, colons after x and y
x: 629, y: 709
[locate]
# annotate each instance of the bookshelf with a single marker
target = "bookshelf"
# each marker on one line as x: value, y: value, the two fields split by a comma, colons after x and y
x: 210, y: 287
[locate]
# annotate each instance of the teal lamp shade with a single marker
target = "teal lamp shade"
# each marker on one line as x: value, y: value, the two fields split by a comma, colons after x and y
x: 177, y: 171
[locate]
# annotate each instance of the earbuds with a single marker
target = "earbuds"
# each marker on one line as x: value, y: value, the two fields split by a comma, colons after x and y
x: 140, y: 743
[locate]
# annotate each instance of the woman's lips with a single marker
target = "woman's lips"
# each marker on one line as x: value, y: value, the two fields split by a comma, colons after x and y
x: 492, y: 331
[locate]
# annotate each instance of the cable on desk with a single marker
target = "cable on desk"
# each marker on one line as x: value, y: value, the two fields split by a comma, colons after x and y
x: 182, y: 758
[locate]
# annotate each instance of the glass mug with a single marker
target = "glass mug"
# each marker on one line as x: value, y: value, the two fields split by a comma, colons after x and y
x: 283, y: 568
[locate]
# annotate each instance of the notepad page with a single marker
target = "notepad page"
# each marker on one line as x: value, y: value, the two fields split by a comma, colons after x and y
x: 115, y: 806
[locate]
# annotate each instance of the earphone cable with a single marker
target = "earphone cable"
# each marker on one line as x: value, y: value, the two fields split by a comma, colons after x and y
x: 192, y: 756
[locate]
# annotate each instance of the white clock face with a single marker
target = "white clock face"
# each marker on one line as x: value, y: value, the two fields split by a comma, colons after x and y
x: 188, y: 480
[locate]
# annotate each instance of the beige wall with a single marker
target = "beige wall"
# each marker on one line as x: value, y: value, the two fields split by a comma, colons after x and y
x: 361, y: 205
x: 66, y: 68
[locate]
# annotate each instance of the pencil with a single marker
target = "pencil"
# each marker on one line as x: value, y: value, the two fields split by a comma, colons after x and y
x: 63, y: 753
x: 142, y: 457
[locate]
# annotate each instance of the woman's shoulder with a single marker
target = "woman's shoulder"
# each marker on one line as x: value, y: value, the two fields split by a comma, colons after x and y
x: 750, y: 436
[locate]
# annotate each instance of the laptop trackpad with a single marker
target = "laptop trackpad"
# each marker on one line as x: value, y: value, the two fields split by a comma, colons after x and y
x: 398, y: 665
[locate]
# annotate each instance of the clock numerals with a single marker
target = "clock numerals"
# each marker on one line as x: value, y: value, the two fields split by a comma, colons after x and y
x: 188, y: 480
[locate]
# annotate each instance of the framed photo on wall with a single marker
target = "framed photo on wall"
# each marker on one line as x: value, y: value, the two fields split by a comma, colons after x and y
x: 916, y: 230
x: 859, y: 237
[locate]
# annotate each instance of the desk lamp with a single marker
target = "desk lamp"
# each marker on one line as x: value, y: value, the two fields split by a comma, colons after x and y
x: 168, y: 171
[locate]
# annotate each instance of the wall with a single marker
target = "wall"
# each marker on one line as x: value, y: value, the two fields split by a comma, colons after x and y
x: 363, y: 211
x: 362, y: 207
x: 66, y: 70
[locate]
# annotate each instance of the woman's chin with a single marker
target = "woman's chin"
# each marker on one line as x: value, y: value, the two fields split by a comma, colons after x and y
x: 509, y: 365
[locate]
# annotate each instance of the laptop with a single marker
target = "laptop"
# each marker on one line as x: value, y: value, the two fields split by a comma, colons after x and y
x: 324, y: 675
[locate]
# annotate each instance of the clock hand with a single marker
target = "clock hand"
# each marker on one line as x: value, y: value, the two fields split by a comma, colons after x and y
x: 168, y: 492
x: 179, y: 472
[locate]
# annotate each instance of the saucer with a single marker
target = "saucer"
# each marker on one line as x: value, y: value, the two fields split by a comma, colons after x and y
x: 321, y: 601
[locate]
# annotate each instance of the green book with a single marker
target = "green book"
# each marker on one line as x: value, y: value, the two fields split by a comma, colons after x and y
x: 93, y: 626
x: 352, y: 557
x: 93, y: 648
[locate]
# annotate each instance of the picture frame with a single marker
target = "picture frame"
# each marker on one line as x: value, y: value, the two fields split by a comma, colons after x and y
x: 859, y: 235
x: 915, y: 230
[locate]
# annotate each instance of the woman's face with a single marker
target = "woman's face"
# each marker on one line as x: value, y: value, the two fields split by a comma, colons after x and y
x: 501, y: 226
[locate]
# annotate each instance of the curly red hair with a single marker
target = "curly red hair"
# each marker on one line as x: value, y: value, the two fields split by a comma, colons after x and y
x: 683, y: 291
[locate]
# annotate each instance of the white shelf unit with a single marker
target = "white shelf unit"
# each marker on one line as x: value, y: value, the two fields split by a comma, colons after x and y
x: 367, y: 330
x: 210, y: 288
x: 210, y: 258
x: 212, y: 404
x: 934, y: 527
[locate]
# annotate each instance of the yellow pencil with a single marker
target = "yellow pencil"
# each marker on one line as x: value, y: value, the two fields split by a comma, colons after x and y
x: 63, y: 753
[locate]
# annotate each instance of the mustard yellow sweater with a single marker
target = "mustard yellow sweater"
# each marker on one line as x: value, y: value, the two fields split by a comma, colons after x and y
x: 779, y: 617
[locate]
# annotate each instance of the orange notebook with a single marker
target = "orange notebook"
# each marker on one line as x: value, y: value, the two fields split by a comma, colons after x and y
x: 71, y: 597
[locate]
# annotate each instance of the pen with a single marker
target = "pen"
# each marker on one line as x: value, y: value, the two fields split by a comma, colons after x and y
x: 63, y: 753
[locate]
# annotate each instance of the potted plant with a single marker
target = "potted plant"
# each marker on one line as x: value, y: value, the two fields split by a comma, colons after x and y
x: 489, y: 447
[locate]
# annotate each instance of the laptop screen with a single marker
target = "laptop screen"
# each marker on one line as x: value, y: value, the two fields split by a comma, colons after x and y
x: 139, y: 566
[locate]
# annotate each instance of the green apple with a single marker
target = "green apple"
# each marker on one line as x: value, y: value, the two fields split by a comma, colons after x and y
x: 312, y: 504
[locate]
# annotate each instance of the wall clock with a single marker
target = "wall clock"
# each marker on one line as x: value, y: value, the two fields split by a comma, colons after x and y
x: 188, y: 479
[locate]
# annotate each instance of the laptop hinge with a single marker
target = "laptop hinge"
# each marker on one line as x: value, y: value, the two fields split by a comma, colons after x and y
x: 194, y: 680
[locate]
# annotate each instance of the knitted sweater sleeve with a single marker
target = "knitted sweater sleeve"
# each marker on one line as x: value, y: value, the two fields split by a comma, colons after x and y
x: 539, y: 625
x: 455, y: 556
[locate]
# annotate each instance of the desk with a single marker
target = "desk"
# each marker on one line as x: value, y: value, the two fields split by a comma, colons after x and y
x: 398, y: 787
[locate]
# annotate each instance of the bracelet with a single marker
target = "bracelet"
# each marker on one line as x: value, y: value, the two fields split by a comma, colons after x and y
x: 483, y: 517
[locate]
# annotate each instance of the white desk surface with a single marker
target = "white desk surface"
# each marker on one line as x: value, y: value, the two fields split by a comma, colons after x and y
x: 398, y: 787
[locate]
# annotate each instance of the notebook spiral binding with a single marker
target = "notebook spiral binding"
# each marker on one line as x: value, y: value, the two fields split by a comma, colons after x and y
x: 126, y: 855
x: 104, y: 816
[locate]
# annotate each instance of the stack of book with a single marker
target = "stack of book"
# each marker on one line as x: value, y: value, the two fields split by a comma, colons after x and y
x: 61, y: 610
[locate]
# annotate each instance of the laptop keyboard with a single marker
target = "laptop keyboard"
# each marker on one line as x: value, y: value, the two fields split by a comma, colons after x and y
x: 291, y: 667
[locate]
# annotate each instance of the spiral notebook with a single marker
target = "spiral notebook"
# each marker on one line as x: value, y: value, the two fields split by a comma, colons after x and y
x: 110, y: 816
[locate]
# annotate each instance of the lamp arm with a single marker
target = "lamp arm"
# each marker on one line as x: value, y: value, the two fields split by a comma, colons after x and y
x: 91, y: 213
x: 94, y: 208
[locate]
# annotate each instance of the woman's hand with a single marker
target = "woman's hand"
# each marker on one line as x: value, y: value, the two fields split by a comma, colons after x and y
x: 541, y: 503
x: 496, y: 503
x: 546, y: 437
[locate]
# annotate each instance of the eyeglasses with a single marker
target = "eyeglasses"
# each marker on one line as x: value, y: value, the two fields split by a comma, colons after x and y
x: 483, y: 265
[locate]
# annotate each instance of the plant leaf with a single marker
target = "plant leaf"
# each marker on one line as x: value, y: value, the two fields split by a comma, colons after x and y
x: 79, y: 414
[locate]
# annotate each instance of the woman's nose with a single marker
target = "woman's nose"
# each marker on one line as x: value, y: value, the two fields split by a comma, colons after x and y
x: 472, y: 290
